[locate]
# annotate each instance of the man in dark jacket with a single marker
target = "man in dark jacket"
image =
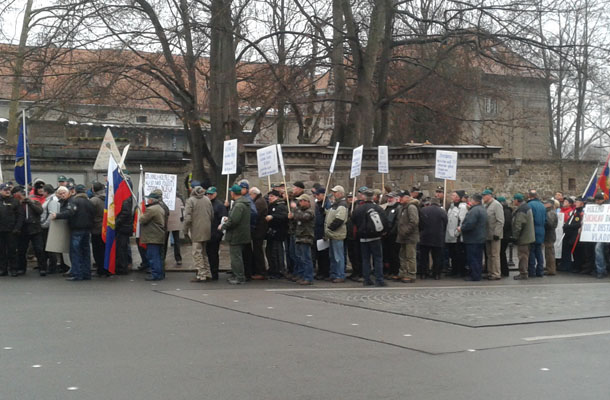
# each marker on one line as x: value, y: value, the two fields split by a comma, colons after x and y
x: 80, y: 213
x: 371, y: 224
x: 11, y: 221
x: 391, y: 249
x: 304, y: 219
x: 277, y: 222
x: 248, y: 256
x: 238, y: 233
x: 433, y: 220
x: 474, y: 233
x: 322, y: 256
x: 124, y: 230
x: 259, y: 268
x: 212, y: 247
x: 31, y: 232
x: 506, y: 235
x: 523, y: 233
x: 550, y: 236
x: 97, y: 244
x: 536, y: 262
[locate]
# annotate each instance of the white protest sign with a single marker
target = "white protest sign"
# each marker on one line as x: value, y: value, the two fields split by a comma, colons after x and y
x: 165, y: 182
x: 267, y: 161
x: 229, y: 157
x: 596, y: 224
x: 383, y: 165
x: 446, y: 165
x: 281, y: 156
x: 332, y: 164
x: 356, y: 162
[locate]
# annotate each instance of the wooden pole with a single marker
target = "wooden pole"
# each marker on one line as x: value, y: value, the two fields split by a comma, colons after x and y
x: 382, y: 186
x: 227, y: 195
x: 354, y: 194
x: 328, y: 183
x: 25, y: 165
x: 269, y: 181
x: 444, y: 193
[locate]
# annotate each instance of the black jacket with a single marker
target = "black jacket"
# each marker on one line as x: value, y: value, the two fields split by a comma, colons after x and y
x: 11, y: 219
x: 360, y: 219
x: 278, y: 226
x: 219, y: 211
x: 79, y: 212
x: 508, y: 222
x: 124, y: 221
x: 391, y: 214
x: 31, y: 223
x: 433, y: 223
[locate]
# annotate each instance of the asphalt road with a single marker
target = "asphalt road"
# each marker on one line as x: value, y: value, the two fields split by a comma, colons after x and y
x: 124, y: 338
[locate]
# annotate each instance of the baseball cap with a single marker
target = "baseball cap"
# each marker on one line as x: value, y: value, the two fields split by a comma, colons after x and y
x: 304, y: 197
x: 274, y: 193
x: 501, y: 199
x: 299, y: 184
x: 211, y: 190
x: 518, y: 196
x: 80, y: 189
x: 244, y: 184
x: 369, y: 193
x: 486, y: 192
x: 155, y: 194
x: 416, y: 189
x: 338, y: 188
x: 599, y: 196
x: 440, y: 189
x: 236, y: 189
x: 195, y: 183
x: 62, y: 178
x: 402, y: 193
x: 320, y: 190
x: 4, y: 186
x: 362, y: 189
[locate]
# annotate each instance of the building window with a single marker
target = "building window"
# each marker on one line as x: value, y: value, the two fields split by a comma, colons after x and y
x: 571, y: 184
x: 329, y: 121
x: 491, y: 106
x: 141, y: 119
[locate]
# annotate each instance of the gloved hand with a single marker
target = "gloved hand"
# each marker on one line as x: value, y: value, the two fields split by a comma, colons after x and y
x: 496, y: 237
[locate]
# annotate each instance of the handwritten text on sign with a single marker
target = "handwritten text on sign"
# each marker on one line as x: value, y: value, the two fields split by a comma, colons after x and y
x: 267, y: 161
x: 446, y: 165
x: 165, y: 182
x: 383, y: 166
x: 229, y: 157
x: 356, y: 162
x: 596, y: 224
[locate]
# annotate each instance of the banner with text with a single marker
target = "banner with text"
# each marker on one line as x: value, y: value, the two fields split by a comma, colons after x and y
x: 165, y: 182
x: 356, y: 162
x: 267, y: 161
x: 596, y: 224
x: 446, y: 165
x: 383, y: 165
x: 229, y: 157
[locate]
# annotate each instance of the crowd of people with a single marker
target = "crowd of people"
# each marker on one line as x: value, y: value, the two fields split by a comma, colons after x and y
x: 303, y: 234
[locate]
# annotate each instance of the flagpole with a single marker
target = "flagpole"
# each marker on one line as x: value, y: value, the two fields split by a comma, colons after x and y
x: 227, y: 194
x: 25, y: 164
x: 354, y: 193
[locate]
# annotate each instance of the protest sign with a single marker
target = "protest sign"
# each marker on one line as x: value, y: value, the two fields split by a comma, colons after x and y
x: 267, y: 161
x: 58, y: 239
x: 281, y: 156
x: 229, y: 157
x: 446, y: 165
x: 165, y: 182
x: 356, y: 162
x: 383, y: 165
x: 596, y: 224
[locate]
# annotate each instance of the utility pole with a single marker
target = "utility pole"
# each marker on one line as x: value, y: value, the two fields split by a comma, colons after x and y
x: 13, y: 121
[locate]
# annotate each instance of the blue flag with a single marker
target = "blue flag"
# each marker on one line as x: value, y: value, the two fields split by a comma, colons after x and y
x: 20, y: 161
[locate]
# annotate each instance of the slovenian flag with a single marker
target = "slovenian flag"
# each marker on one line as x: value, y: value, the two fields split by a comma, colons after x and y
x: 117, y: 192
x: 22, y: 158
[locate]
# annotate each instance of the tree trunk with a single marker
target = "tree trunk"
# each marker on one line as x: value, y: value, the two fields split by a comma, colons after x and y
x: 338, y: 76
x: 382, y: 116
x: 13, y: 120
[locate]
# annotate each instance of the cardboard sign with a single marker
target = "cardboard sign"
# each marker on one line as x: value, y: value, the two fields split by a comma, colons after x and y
x: 446, y: 165
x: 229, y: 157
x: 596, y: 224
x: 356, y: 162
x: 332, y: 164
x: 267, y: 161
x: 383, y: 164
x: 166, y: 182
x: 281, y: 156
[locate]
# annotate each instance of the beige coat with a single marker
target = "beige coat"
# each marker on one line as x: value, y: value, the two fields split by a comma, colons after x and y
x: 495, y: 219
x: 174, y: 223
x: 198, y: 216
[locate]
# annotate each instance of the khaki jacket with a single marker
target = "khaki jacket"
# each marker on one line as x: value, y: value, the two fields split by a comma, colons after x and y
x: 152, y: 224
x: 495, y: 219
x: 198, y: 217
x: 408, y: 223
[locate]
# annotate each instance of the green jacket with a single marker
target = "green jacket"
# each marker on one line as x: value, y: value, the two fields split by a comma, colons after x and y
x: 523, y: 225
x: 152, y: 224
x: 408, y: 223
x: 304, y: 223
x: 334, y: 224
x: 238, y: 224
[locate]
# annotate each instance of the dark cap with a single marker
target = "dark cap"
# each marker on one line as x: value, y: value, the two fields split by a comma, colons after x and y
x: 62, y: 178
x: 599, y: 196
x: 362, y: 189
x: 211, y: 190
x: 275, y: 193
x: 402, y: 193
x: 236, y: 189
x: 195, y: 183
x: 97, y: 187
x: 477, y: 197
x: 416, y: 189
x: 579, y: 198
x: 4, y: 186
x: 487, y: 192
x: 244, y: 185
x: 156, y: 194
x: 350, y: 194
x: 17, y: 189
x: 80, y: 189
x: 461, y: 193
x: 369, y: 193
x: 320, y: 190
x: 440, y: 189
x: 299, y: 184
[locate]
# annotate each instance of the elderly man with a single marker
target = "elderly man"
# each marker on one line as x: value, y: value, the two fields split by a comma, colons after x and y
x: 322, y: 257
x: 238, y: 233
x: 336, y: 231
x: 212, y: 246
x: 11, y: 221
x: 536, y: 262
x: 31, y: 232
x: 304, y: 219
x: 80, y: 213
x: 432, y: 236
x: 474, y: 231
x: 198, y: 218
x: 550, y: 236
x: 153, y: 226
x: 259, y: 269
x: 523, y: 233
x: 277, y: 220
x: 408, y: 236
x: 495, y: 231
x: 455, y: 216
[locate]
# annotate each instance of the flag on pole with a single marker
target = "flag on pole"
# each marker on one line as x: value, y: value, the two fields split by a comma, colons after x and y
x: 592, y: 187
x: 117, y: 192
x: 22, y: 159
x: 141, y: 209
x: 602, y: 182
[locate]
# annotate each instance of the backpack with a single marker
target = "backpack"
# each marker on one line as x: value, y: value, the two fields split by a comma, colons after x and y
x: 374, y: 226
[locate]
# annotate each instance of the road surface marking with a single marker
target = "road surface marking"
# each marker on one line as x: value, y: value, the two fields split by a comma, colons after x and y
x: 571, y: 335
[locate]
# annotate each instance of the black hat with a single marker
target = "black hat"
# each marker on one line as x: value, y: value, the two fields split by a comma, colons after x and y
x: 80, y: 189
x: 17, y: 189
x: 416, y: 189
x: 440, y: 189
x: 402, y: 193
x: 579, y: 198
x: 461, y: 193
x: 320, y: 190
x: 97, y: 186
x: 275, y: 193
x: 599, y: 196
x: 299, y: 184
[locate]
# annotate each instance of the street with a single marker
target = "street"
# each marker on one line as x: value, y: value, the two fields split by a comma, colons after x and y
x: 124, y: 338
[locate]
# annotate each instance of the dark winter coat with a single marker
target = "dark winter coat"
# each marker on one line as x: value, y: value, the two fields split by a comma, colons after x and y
x: 278, y: 226
x: 360, y: 219
x: 260, y: 231
x: 124, y: 221
x: 433, y: 223
x: 570, y: 228
x: 238, y: 223
x: 304, y: 219
x: 99, y: 203
x: 11, y: 218
x: 552, y: 219
x: 508, y: 222
x: 31, y: 222
x: 391, y: 214
x: 79, y: 211
x: 219, y: 211
x: 539, y: 214
x: 474, y: 227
